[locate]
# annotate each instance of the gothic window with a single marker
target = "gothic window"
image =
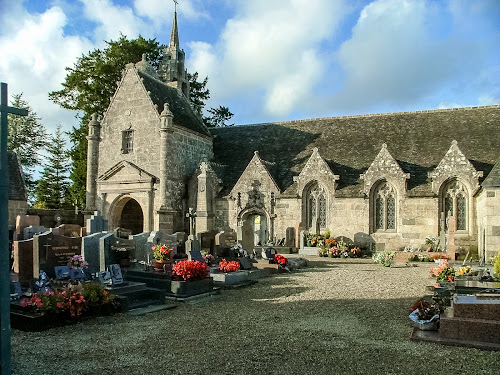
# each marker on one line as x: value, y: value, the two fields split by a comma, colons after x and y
x: 127, y: 141
x: 384, y: 207
x: 316, y: 207
x: 454, y: 203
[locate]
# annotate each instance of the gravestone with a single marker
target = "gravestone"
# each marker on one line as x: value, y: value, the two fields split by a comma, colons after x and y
x: 245, y: 263
x: 122, y: 232
x: 96, y: 224
x: 452, y: 225
x: 247, y: 236
x: 116, y: 274
x: 15, y: 290
x: 142, y: 247
x: 192, y: 245
x: 91, y: 251
x: 207, y: 241
x: 51, y: 250
x: 298, y: 233
x: 68, y: 230
x: 290, y: 237
x: 23, y: 221
x: 225, y: 239
x: 302, y: 238
x: 195, y: 255
x: 23, y: 260
x: 109, y: 242
x: 62, y: 272
x: 30, y: 231
x: 181, y: 238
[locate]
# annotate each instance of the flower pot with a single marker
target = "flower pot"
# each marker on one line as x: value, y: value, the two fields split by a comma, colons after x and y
x: 162, y: 265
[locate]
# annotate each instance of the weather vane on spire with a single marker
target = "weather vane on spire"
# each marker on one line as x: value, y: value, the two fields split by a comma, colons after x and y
x: 175, y: 5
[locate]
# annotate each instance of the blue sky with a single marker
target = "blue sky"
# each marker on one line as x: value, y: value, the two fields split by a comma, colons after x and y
x: 273, y: 60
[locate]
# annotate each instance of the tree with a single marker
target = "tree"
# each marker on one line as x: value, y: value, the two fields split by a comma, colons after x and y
x: 198, y: 92
x: 88, y: 87
x: 52, y: 188
x: 218, y: 117
x: 27, y: 137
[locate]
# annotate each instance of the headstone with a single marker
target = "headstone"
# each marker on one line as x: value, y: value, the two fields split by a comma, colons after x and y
x: 207, y: 241
x: 30, y: 231
x: 122, y: 232
x: 96, y: 224
x: 181, y: 238
x: 302, y: 239
x: 225, y: 239
x: 91, y: 251
x: 192, y: 245
x: 298, y: 233
x: 68, y: 230
x: 245, y: 263
x: 142, y: 248
x: 23, y: 221
x: 76, y: 274
x: 62, y: 272
x: 247, y: 236
x: 116, y: 274
x: 290, y: 237
x: 23, y: 260
x: 15, y: 290
x: 195, y: 255
x: 452, y: 225
x: 50, y: 250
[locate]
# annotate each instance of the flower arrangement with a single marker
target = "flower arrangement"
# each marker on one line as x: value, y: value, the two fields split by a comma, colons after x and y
x: 77, y: 261
x: 162, y: 252
x: 424, y: 309
x: 355, y: 252
x: 464, y: 271
x: 443, y: 272
x: 323, y: 252
x: 189, y: 270
x: 385, y: 258
x: 209, y: 259
x: 66, y: 301
x: 280, y: 259
x: 225, y: 266
x: 334, y: 252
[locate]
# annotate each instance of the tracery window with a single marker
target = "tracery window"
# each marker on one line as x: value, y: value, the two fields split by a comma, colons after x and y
x: 454, y: 203
x: 384, y: 207
x: 316, y: 206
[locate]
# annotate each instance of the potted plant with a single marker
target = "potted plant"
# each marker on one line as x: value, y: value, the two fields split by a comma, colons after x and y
x: 77, y: 261
x: 162, y: 255
x: 425, y: 315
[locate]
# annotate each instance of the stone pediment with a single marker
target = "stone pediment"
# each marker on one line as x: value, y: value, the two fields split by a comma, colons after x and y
x: 255, y: 178
x: 455, y: 165
x: 126, y: 172
x: 385, y: 167
x: 316, y: 169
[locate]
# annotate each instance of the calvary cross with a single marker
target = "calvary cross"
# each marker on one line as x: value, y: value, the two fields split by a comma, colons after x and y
x: 4, y: 230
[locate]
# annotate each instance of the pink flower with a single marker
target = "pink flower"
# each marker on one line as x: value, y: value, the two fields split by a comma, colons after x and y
x: 450, y: 279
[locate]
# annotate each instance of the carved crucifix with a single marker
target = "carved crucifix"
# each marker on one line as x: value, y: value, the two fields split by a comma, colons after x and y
x: 191, y: 215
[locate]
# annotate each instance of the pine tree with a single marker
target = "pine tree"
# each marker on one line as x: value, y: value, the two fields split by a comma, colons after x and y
x: 52, y: 188
x: 27, y: 137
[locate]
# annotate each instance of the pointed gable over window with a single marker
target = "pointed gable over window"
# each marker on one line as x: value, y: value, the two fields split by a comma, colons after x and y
x: 455, y: 165
x: 316, y: 169
x: 385, y: 167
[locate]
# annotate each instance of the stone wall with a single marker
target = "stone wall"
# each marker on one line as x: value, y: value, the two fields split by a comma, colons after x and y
x: 488, y: 222
x: 16, y: 208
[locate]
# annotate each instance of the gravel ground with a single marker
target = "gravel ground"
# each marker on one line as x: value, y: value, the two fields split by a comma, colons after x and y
x: 336, y: 317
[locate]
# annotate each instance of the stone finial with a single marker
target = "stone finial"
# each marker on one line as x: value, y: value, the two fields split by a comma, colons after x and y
x: 166, y: 111
x: 94, y: 121
x: 454, y: 143
x: 384, y: 145
x: 256, y: 153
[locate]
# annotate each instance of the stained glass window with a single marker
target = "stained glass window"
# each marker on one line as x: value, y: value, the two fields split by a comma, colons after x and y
x: 391, y: 212
x: 455, y: 203
x: 322, y: 211
x: 312, y: 210
x: 379, y: 213
x: 316, y: 206
x: 461, y: 213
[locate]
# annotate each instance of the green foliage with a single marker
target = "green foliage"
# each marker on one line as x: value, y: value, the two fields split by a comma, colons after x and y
x: 218, y: 117
x: 496, y: 265
x: 198, y: 92
x: 27, y: 136
x: 88, y: 87
x: 52, y: 188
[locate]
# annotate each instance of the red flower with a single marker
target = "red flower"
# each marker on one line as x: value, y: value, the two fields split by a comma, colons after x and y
x: 280, y: 259
x: 190, y: 270
x: 226, y: 266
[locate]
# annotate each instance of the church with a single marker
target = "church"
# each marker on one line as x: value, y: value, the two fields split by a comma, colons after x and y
x: 389, y: 179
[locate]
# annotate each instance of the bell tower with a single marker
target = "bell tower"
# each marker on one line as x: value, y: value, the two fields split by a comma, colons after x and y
x: 171, y: 69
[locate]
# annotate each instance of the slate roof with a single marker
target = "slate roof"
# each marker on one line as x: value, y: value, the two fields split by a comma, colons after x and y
x: 417, y: 140
x: 493, y: 178
x: 17, y: 190
x: 183, y: 113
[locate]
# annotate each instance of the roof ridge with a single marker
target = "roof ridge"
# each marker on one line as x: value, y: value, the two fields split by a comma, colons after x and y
x: 374, y: 115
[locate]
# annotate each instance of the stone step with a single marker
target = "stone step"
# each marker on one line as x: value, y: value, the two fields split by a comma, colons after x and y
x: 469, y: 329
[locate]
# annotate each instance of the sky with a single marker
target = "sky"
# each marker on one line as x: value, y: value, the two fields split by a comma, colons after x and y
x: 273, y: 60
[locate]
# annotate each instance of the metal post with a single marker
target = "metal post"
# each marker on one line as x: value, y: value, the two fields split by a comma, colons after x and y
x: 5, y: 357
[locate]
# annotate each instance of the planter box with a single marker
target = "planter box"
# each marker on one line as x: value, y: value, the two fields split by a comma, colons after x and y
x: 191, y: 288
x: 230, y: 278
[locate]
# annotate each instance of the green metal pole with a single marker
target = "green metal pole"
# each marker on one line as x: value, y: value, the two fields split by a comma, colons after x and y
x: 4, y: 239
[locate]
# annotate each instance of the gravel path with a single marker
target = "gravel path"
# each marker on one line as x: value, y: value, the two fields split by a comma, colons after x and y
x: 336, y: 317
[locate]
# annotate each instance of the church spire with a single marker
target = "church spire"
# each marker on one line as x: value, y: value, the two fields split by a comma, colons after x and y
x: 171, y: 69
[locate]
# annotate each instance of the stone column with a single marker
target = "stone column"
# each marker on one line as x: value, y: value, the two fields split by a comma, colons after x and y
x: 452, y: 225
x: 204, y: 212
x: 93, y: 138
x: 165, y: 213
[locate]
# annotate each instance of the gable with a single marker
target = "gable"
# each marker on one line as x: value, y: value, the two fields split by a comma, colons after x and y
x: 126, y: 172
x: 316, y: 169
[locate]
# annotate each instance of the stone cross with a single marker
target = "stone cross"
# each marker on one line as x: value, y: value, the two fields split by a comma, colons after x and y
x: 4, y: 230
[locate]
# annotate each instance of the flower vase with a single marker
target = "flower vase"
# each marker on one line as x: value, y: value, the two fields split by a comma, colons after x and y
x: 160, y: 265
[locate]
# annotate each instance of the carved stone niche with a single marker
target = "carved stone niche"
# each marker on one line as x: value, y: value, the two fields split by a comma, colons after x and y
x: 385, y: 167
x: 455, y: 165
x: 316, y: 169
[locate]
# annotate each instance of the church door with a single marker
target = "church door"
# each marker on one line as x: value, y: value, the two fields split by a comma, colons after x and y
x: 132, y: 217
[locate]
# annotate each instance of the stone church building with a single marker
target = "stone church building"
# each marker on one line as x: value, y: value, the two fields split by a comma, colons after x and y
x: 387, y: 179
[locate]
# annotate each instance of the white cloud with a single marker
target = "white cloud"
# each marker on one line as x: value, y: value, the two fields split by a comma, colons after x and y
x: 270, y: 47
x: 35, y: 53
x: 160, y: 14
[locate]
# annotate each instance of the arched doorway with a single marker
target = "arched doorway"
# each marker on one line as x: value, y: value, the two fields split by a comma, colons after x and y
x: 254, y: 231
x: 132, y: 217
